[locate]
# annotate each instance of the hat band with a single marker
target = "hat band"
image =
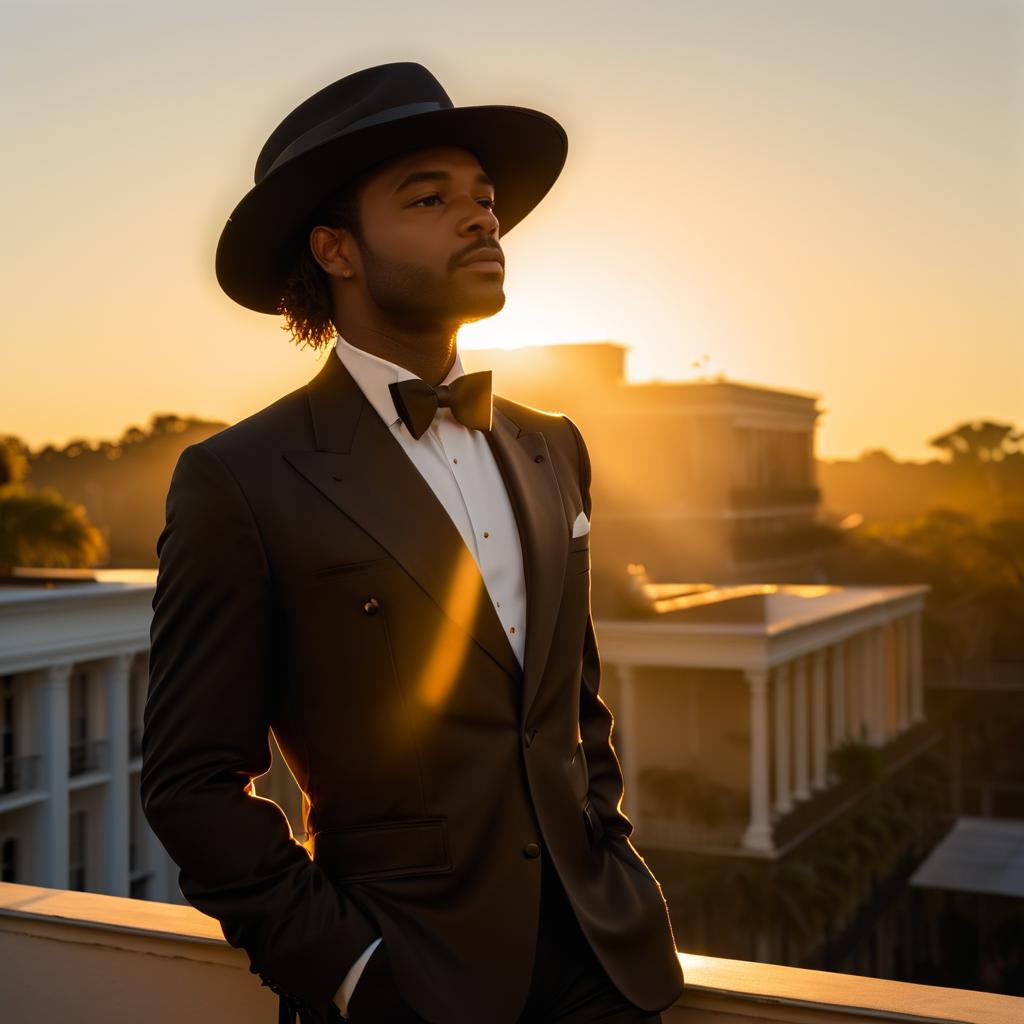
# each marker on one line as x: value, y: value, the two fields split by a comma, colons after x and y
x: 339, y: 125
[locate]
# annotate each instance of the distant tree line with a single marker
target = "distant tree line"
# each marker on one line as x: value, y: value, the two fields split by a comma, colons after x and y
x: 160, y: 425
x: 48, y: 526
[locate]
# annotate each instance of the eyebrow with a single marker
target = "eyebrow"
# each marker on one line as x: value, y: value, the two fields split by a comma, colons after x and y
x: 416, y: 176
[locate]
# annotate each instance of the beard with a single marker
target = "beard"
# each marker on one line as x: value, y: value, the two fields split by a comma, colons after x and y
x: 413, y: 295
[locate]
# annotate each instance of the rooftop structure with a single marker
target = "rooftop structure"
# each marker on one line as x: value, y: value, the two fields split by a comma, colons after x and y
x: 73, y: 676
x: 754, y: 686
x: 696, y: 478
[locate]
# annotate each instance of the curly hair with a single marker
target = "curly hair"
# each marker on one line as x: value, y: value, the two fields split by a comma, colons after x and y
x: 307, y: 304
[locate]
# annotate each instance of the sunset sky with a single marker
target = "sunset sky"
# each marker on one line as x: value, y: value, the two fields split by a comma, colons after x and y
x: 821, y: 196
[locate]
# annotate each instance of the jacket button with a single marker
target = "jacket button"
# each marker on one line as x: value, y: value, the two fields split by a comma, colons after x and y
x: 531, y: 850
x: 371, y: 606
x: 538, y: 458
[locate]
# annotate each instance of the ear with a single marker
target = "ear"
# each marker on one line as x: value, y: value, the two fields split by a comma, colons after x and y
x: 335, y: 250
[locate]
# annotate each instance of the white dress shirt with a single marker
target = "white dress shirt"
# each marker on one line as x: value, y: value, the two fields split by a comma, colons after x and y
x: 458, y: 464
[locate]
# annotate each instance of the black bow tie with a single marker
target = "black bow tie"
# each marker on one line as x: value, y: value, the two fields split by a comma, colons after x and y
x: 468, y: 397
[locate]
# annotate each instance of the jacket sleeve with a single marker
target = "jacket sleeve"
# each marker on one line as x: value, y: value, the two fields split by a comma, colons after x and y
x: 206, y: 738
x: 606, y: 785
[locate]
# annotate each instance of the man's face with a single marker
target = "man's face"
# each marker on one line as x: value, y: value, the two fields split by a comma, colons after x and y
x: 422, y: 216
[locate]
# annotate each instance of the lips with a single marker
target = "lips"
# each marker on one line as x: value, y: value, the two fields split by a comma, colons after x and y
x: 484, y: 256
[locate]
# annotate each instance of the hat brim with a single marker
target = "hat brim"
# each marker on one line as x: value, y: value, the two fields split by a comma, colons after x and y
x: 521, y: 150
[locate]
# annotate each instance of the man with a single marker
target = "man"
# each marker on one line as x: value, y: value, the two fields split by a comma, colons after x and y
x: 389, y: 567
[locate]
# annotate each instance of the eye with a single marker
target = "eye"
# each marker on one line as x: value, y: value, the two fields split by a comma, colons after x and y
x: 433, y: 195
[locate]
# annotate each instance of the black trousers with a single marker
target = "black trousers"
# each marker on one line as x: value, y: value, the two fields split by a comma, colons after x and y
x: 569, y: 985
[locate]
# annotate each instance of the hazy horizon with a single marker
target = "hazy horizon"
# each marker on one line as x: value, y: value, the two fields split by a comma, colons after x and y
x: 825, y: 197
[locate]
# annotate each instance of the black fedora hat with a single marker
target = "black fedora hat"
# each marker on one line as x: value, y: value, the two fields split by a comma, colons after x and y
x: 364, y: 119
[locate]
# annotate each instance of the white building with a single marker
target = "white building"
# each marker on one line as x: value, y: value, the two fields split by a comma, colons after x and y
x: 752, y: 687
x: 74, y: 666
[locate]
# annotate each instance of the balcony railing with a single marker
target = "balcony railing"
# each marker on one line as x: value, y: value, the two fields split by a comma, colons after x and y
x: 19, y: 774
x: 168, y: 963
x: 87, y: 756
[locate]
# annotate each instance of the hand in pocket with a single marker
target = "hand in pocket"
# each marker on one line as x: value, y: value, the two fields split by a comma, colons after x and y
x: 374, y: 981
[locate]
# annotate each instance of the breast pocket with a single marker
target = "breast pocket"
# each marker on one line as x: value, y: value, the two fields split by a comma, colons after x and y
x: 360, y: 565
x: 579, y: 554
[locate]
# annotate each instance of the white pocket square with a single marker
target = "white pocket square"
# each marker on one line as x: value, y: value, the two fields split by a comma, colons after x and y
x: 581, y: 526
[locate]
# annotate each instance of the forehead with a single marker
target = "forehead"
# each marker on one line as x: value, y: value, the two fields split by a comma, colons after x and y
x: 451, y: 159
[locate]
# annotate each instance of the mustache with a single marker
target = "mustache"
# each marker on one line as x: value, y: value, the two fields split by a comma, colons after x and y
x: 490, y: 245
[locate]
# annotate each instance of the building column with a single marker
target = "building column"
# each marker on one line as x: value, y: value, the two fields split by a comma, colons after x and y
x: 896, y: 660
x: 862, y: 686
x: 890, y: 708
x: 758, y: 835
x: 627, y: 737
x: 782, y: 738
x: 116, y: 674
x: 801, y: 738
x: 916, y: 669
x: 903, y: 683
x: 52, y: 740
x: 154, y: 859
x: 837, y: 666
x: 853, y: 682
x: 881, y: 687
x: 820, y: 714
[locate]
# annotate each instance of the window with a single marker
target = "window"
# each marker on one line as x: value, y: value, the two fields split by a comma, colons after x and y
x: 76, y: 851
x: 9, y: 861
x: 79, y: 723
x: 8, y: 781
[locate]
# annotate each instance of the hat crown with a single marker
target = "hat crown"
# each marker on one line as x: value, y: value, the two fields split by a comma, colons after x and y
x: 366, y: 94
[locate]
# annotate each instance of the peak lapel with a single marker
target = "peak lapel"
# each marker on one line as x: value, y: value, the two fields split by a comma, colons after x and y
x: 360, y: 466
x: 529, y: 474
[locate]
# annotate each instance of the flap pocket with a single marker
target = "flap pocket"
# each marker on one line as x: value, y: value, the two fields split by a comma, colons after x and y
x: 398, y: 848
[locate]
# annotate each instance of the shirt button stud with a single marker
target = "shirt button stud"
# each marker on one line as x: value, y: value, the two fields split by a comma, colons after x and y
x: 486, y: 534
x: 511, y: 629
x: 371, y: 606
x: 531, y: 850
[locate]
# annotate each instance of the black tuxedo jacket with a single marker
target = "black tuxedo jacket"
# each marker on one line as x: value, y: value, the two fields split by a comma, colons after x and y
x: 310, y: 582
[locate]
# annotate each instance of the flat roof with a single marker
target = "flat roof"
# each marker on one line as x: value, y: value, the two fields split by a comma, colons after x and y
x: 766, y: 607
x: 977, y: 855
x: 49, y: 584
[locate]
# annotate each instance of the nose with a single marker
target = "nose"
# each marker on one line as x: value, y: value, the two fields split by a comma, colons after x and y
x: 479, y: 220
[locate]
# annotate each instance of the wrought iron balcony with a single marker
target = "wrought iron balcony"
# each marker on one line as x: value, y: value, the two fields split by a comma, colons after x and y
x: 19, y: 774
x: 87, y: 756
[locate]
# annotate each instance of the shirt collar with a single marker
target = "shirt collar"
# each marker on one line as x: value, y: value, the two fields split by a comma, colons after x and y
x: 373, y: 375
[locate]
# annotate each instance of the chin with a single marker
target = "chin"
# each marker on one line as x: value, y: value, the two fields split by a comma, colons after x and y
x: 480, y: 307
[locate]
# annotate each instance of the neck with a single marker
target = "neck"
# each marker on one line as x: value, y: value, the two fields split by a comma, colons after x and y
x: 428, y: 354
